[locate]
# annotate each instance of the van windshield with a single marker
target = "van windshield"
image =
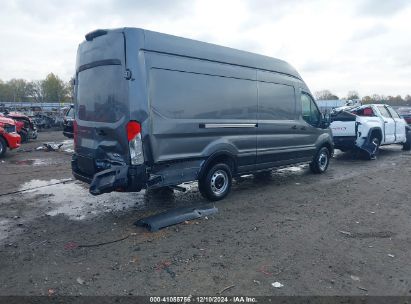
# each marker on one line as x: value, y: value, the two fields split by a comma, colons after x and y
x: 102, y: 94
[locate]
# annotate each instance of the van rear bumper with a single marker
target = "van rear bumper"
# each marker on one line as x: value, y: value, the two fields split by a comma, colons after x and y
x: 117, y: 177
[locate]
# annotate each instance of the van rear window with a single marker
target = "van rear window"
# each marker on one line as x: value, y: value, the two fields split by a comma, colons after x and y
x: 102, y: 94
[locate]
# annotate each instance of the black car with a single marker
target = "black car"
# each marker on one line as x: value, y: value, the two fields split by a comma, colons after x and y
x: 68, y: 122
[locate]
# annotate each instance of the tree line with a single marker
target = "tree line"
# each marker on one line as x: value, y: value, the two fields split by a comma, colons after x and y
x: 50, y: 89
x: 397, y: 100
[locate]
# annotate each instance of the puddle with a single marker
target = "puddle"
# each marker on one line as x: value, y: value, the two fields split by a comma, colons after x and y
x: 32, y: 162
x: 293, y: 169
x: 68, y: 145
x: 74, y: 200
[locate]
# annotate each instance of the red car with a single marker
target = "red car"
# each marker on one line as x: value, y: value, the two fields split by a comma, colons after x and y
x: 9, y: 138
x: 24, y: 125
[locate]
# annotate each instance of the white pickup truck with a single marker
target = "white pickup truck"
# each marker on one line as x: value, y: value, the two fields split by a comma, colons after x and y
x: 367, y: 127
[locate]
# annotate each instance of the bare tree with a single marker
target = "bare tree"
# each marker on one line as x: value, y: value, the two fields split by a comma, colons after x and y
x: 353, y: 95
x: 325, y: 95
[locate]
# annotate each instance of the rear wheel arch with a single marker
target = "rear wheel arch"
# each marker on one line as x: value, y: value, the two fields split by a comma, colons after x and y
x: 328, y: 146
x: 224, y: 157
x: 375, y: 132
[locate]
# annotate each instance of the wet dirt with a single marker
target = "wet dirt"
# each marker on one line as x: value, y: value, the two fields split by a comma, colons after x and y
x: 312, y: 233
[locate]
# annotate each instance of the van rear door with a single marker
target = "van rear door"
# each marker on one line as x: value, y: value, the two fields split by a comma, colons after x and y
x: 102, y: 110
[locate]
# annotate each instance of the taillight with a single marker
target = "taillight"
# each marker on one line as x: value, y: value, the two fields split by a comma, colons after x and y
x: 134, y: 142
x: 133, y: 129
x: 75, y: 129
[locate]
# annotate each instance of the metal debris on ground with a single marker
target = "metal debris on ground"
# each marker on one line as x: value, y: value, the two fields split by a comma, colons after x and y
x: 174, y: 216
x: 277, y: 285
x: 355, y: 278
x: 74, y: 245
x: 225, y: 289
x: 51, y: 147
x: 345, y: 232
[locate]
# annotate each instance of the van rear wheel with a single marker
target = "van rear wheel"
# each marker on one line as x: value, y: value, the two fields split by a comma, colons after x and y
x: 321, y: 161
x: 216, y: 183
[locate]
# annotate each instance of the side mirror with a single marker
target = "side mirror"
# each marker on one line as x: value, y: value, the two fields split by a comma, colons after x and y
x: 326, y: 120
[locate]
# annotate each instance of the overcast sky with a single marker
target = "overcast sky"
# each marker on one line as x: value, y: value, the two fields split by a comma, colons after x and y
x: 363, y: 45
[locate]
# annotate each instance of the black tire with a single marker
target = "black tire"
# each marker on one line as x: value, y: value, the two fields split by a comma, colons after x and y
x: 3, y: 147
x: 375, y: 139
x: 216, y: 183
x: 407, y: 145
x: 321, y: 161
x: 24, y: 136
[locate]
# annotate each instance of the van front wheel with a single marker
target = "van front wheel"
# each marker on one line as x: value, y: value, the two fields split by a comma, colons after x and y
x: 216, y: 183
x: 321, y: 161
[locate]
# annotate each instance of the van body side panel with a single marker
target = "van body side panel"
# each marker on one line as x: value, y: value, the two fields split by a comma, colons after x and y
x: 138, y: 92
x: 277, y: 140
x: 197, y: 111
x: 162, y: 43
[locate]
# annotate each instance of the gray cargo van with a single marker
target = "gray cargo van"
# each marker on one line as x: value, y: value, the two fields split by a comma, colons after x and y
x: 154, y: 110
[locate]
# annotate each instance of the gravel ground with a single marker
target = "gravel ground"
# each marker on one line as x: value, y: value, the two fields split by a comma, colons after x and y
x: 346, y: 232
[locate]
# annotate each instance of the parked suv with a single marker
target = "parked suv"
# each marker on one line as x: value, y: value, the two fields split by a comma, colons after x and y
x: 68, y: 122
x: 154, y: 110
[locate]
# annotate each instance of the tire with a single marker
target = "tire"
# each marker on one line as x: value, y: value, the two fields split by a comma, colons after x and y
x: 3, y: 147
x: 375, y: 140
x: 321, y: 161
x: 24, y: 136
x: 216, y: 183
x: 407, y: 145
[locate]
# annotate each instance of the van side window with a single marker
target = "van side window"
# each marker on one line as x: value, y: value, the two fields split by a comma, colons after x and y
x: 276, y: 101
x: 310, y: 111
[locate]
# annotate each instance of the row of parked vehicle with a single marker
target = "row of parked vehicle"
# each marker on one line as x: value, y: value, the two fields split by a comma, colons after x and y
x: 15, y: 128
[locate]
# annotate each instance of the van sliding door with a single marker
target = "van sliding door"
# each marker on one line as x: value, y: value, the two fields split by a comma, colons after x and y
x: 276, y: 141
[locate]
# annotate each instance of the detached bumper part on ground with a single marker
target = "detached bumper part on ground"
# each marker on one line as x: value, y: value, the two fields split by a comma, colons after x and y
x: 175, y: 216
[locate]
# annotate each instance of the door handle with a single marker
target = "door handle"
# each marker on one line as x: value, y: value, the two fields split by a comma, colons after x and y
x: 303, y: 128
x: 385, y: 121
x: 101, y: 133
x: 294, y: 127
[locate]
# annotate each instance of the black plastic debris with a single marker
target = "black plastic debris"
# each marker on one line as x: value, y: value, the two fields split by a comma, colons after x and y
x: 49, y: 147
x: 174, y: 216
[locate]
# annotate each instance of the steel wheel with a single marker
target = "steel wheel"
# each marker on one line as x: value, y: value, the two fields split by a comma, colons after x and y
x: 216, y: 183
x: 219, y: 182
x: 320, y: 161
x: 323, y: 160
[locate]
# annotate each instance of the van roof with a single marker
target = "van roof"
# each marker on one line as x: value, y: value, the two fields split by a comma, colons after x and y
x: 169, y: 44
